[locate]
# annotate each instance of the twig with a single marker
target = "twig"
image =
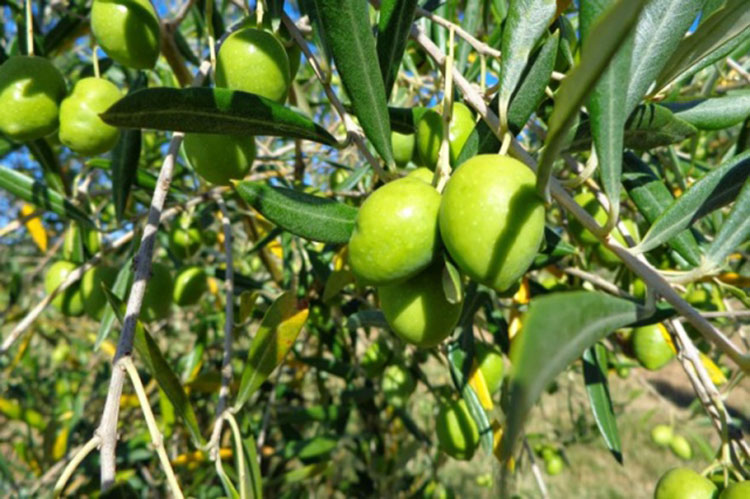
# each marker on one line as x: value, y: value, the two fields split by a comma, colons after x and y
x: 73, y: 464
x: 477, y: 45
x: 156, y: 437
x: 108, y: 427
x: 535, y: 469
x: 29, y: 29
x: 19, y: 222
x: 352, y: 129
x: 596, y: 281
x: 240, y: 453
x: 738, y: 67
x: 181, y: 14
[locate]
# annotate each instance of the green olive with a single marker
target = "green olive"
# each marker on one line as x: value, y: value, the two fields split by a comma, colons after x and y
x: 184, y: 240
x: 605, y: 255
x: 219, y: 159
x: 681, y: 447
x: 398, y: 384
x: 662, y: 435
x: 158, y: 298
x: 422, y: 173
x: 31, y: 89
x: 396, y: 232
x: 589, y: 203
x: 70, y: 301
x: 684, y: 483
x: 492, y: 220
x: 81, y: 129
x: 430, y: 133
x: 739, y: 490
x: 650, y: 346
x: 403, y: 147
x: 94, y: 299
x: 337, y: 178
x: 490, y: 361
x: 554, y: 465
x: 253, y: 60
x: 189, y: 286
x: 457, y: 432
x: 417, y: 310
x: 128, y: 31
x: 374, y: 359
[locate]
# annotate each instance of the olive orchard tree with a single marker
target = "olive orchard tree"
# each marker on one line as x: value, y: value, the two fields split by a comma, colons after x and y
x: 257, y: 247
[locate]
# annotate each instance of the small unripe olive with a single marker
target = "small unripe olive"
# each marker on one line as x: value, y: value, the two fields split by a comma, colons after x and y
x: 681, y: 447
x: 684, y: 483
x: 430, y: 133
x: 422, y: 173
x: 81, y: 129
x: 492, y: 220
x: 403, y: 147
x: 662, y: 435
x: 417, y: 310
x: 650, y: 346
x: 184, y: 242
x: 189, y: 286
x: 395, y: 234
x: 158, y: 297
x: 554, y: 465
x: 253, y: 60
x: 94, y: 299
x: 457, y: 432
x: 398, y: 384
x: 31, y: 89
x: 219, y: 159
x: 588, y: 201
x: 70, y: 301
x: 128, y: 31
x: 490, y: 361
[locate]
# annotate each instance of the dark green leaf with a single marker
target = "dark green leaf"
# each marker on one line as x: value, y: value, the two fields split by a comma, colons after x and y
x: 681, y: 214
x: 212, y: 110
x: 394, y: 24
x: 554, y: 249
x: 526, y: 22
x: 606, y: 103
x: 404, y: 119
x: 41, y: 196
x: 305, y: 215
x: 557, y: 329
x: 652, y: 198
x: 595, y: 377
x: 715, y: 37
x: 452, y: 285
x: 605, y: 38
x: 120, y: 290
x: 346, y: 29
x: 714, y: 114
x: 734, y: 231
x: 367, y: 318
x: 52, y: 172
x: 661, y: 26
x: 256, y: 479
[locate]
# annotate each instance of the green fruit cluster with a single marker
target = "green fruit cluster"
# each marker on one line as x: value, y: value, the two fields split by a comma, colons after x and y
x: 489, y: 220
x: 664, y: 436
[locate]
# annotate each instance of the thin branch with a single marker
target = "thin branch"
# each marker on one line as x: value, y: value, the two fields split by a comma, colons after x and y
x: 156, y: 437
x: 535, y: 469
x: 597, y: 281
x: 19, y: 222
x: 73, y: 464
x: 477, y: 45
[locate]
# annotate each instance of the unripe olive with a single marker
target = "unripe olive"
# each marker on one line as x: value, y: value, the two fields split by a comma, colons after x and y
x: 94, y: 299
x: 492, y: 220
x: 490, y: 361
x: 430, y: 133
x: 681, y: 447
x: 605, y: 255
x: 417, y: 310
x: 374, y: 359
x: 218, y: 159
x: 422, y: 173
x: 684, y: 483
x: 739, y: 490
x: 81, y: 129
x: 662, y: 435
x: 70, y: 301
x: 396, y: 232
x: 398, y: 384
x: 31, y: 89
x: 588, y: 201
x: 650, y: 346
x: 457, y: 432
x: 128, y: 31
x: 158, y: 298
x: 337, y: 178
x: 184, y: 241
x: 189, y: 286
x: 253, y: 60
x: 403, y: 147
x: 554, y: 465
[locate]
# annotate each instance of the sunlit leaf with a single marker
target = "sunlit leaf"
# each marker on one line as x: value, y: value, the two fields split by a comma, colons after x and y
x: 595, y: 377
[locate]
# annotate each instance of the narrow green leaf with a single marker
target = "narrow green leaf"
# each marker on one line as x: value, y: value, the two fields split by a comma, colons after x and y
x: 606, y: 103
x: 256, y: 479
x: 452, y: 286
x: 553, y: 250
x: 305, y: 215
x: 125, y: 157
x: 212, y: 110
x: 143, y: 178
x: 404, y: 119
x: 734, y: 231
x: 346, y: 29
x: 660, y: 28
x: 716, y: 36
x: 353, y: 179
x: 226, y: 482
x: 714, y: 114
x: 681, y: 214
x: 524, y: 102
x: 558, y: 328
x: 469, y: 22
x: 158, y: 366
x: 652, y: 198
x: 367, y: 318
x: 459, y: 370
x: 41, y: 196
x: 597, y: 388
x: 120, y: 290
x: 396, y: 17
x: 605, y: 38
x: 50, y: 162
x: 526, y: 22
x: 273, y: 339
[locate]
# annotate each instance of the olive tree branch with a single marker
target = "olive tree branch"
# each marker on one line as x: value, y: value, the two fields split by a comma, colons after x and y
x: 637, y: 265
x: 353, y: 131
x: 156, y: 437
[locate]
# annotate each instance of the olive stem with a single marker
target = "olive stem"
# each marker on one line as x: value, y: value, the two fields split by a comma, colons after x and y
x: 156, y: 437
x: 73, y: 464
x: 29, y: 30
x: 95, y: 61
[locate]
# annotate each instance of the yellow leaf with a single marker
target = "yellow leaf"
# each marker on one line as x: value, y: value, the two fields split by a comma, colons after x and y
x: 523, y: 295
x: 339, y: 259
x: 716, y: 374
x: 515, y: 324
x: 275, y: 248
x: 667, y: 337
x: 478, y: 383
x: 213, y: 286
x: 497, y: 437
x: 35, y: 227
x: 61, y: 444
